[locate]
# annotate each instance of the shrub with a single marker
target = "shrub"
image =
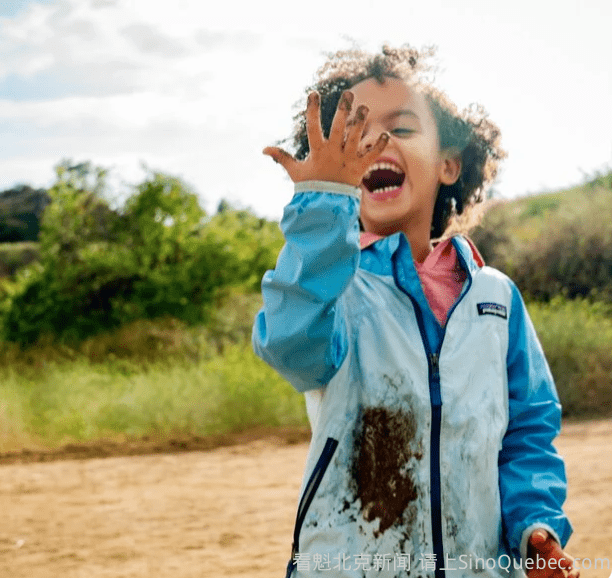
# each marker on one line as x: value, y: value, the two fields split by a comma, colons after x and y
x: 556, y: 244
x: 158, y: 256
x: 572, y: 256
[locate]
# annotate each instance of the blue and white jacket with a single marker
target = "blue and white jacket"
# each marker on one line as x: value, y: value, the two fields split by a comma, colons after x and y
x: 431, y: 452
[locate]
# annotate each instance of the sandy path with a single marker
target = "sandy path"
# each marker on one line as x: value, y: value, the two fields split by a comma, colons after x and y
x: 226, y: 512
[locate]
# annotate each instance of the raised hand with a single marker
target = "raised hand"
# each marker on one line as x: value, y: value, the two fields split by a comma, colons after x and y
x: 338, y: 158
x: 547, y: 559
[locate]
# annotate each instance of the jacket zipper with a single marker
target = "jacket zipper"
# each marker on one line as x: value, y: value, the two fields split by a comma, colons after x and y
x: 436, y: 403
x: 435, y: 439
x: 309, y: 492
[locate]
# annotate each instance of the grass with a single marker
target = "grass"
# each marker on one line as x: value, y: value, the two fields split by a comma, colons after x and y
x: 576, y: 336
x: 79, y: 401
x: 168, y: 380
x: 525, y: 216
x: 159, y: 378
x: 16, y: 255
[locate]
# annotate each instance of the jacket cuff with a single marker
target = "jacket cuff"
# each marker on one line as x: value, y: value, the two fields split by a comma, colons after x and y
x: 526, y: 535
x: 328, y: 187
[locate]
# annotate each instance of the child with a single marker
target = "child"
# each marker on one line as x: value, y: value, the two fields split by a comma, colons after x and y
x: 432, y: 407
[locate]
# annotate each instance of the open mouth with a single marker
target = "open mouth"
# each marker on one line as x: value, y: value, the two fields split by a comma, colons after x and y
x: 383, y: 178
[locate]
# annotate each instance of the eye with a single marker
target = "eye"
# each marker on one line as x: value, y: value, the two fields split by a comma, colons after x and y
x: 401, y: 131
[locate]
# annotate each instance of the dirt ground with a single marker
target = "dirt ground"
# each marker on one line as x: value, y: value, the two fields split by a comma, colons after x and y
x: 224, y: 512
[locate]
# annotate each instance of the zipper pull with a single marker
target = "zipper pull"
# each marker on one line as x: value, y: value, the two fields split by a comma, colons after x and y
x: 434, y: 363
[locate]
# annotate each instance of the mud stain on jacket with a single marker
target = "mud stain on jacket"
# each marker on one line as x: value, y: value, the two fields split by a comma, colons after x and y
x: 385, y: 441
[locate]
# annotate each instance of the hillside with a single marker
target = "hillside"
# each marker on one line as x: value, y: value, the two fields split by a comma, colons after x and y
x: 525, y: 217
x: 507, y: 224
x: 552, y: 244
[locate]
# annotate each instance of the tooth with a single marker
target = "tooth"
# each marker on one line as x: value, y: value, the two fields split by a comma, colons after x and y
x: 384, y: 166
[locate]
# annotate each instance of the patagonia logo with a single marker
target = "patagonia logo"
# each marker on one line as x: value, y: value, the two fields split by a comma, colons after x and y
x: 492, y: 309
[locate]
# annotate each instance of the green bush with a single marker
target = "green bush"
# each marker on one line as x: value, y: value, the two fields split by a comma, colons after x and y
x: 576, y: 336
x: 158, y: 256
x: 572, y: 256
x: 553, y: 244
x: 143, y: 342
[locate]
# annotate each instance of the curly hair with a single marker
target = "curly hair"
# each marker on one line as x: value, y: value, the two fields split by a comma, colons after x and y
x: 475, y: 137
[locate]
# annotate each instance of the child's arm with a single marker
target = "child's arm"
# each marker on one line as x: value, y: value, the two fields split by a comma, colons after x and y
x: 532, y: 474
x: 300, y: 331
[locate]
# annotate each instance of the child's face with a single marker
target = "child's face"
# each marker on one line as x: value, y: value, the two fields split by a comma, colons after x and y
x: 399, y: 191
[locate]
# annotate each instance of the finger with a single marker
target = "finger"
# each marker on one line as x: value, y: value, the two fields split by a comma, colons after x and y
x: 538, y: 538
x: 356, y: 128
x: 565, y: 561
x: 372, y: 151
x: 336, y: 134
x: 568, y: 560
x: 313, y: 121
x: 282, y: 157
x: 547, y: 548
x: 551, y: 549
x: 555, y: 553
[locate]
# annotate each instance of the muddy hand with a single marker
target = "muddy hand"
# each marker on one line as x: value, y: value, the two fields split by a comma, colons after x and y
x: 547, y: 559
x: 338, y: 158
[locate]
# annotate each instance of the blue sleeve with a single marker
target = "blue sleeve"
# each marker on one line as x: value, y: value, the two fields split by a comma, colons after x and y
x: 300, y: 331
x: 533, y: 485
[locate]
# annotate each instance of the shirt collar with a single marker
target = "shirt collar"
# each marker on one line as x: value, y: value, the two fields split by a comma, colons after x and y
x: 467, y: 252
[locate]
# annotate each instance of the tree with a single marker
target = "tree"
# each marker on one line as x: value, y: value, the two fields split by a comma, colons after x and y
x: 159, y: 255
x: 21, y: 209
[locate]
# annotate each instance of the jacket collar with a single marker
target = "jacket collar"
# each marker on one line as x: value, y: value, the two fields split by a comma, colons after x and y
x: 468, y: 254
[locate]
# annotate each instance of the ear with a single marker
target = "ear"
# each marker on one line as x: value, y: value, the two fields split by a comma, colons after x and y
x: 451, y: 166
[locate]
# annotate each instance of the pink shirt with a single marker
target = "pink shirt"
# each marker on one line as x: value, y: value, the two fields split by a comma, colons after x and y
x: 441, y: 276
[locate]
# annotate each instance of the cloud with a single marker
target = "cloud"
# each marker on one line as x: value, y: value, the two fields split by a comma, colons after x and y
x: 148, y: 39
x: 233, y: 40
x: 83, y: 41
x: 106, y: 47
x: 98, y: 4
x: 199, y: 92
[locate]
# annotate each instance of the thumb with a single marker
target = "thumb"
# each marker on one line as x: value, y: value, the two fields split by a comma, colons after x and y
x: 282, y: 157
x: 538, y: 538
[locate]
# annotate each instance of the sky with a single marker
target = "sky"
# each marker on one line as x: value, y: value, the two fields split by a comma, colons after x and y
x: 196, y: 89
